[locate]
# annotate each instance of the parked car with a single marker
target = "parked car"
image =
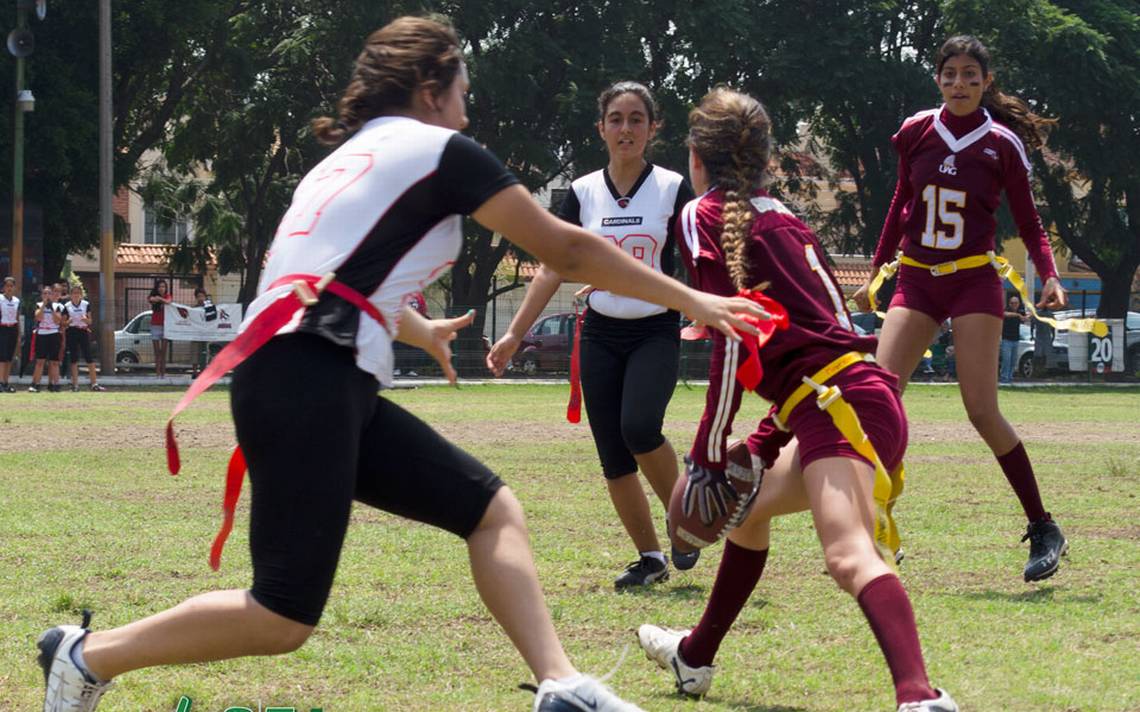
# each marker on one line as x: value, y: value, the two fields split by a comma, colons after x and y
x: 133, y: 347
x: 546, y: 347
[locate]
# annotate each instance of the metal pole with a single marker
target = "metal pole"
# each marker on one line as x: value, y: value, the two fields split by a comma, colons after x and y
x: 106, y: 186
x: 17, y: 255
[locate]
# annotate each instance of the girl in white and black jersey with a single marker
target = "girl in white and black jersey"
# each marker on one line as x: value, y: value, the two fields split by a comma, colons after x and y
x: 374, y: 222
x: 77, y: 337
x: 9, y: 331
x: 46, y: 340
x: 630, y: 349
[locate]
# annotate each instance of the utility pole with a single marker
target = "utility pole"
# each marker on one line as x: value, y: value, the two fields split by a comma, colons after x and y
x: 106, y: 186
x: 20, y: 45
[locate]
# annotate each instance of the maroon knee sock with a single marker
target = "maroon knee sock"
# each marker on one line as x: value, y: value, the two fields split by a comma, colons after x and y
x: 1015, y: 465
x: 737, y: 576
x: 887, y: 607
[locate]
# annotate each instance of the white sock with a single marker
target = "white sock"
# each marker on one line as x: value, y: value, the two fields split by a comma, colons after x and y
x: 654, y: 554
x: 77, y: 658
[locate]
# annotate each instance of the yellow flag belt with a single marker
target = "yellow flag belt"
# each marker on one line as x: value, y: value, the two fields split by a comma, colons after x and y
x: 888, y: 486
x: 1004, y: 269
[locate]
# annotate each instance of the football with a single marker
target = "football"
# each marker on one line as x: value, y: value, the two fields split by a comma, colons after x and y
x: 704, y: 507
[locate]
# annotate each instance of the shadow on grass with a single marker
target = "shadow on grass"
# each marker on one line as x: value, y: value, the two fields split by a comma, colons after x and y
x: 720, y: 703
x: 1041, y: 595
x: 688, y: 592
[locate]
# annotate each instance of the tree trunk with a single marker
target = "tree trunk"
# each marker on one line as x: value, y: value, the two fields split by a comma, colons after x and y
x: 1116, y: 289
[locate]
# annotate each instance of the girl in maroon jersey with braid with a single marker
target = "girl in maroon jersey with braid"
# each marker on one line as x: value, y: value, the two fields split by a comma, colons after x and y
x: 737, y: 237
x: 954, y: 163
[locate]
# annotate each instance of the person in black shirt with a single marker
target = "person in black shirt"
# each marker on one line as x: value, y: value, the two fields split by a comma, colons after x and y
x: 1014, y: 316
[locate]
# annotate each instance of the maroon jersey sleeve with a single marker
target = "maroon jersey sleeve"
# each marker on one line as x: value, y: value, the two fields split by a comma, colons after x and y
x: 891, y: 234
x: 721, y: 403
x: 700, y: 250
x: 1016, y: 172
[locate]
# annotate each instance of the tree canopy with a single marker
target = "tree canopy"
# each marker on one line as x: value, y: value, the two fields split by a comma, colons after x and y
x: 227, y: 88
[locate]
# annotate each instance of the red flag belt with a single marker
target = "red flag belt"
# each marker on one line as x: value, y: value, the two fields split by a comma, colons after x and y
x: 751, y: 371
x: 307, y: 288
x: 574, y: 407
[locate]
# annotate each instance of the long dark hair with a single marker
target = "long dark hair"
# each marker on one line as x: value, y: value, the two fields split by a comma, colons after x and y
x: 408, y: 53
x: 154, y: 290
x: 1010, y: 110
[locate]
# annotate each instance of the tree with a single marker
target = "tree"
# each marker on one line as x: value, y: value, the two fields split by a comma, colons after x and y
x: 160, y: 52
x: 1078, y: 61
x: 246, y: 130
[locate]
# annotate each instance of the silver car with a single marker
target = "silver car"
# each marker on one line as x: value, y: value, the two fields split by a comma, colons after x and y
x: 134, y: 349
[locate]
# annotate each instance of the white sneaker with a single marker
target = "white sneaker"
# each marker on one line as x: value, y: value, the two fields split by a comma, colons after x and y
x: 943, y: 703
x: 661, y: 646
x: 582, y: 694
x: 69, y: 689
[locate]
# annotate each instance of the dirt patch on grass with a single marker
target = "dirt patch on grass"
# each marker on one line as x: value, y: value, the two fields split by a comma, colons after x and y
x: 1059, y: 432
x: 27, y: 438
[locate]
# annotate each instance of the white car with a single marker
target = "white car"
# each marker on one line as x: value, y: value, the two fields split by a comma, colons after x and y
x: 133, y: 347
x: 1057, y: 356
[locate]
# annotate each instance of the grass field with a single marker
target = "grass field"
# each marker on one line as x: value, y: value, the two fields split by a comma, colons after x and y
x: 90, y: 519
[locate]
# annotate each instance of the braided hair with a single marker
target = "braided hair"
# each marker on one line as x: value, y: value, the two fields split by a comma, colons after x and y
x: 731, y: 134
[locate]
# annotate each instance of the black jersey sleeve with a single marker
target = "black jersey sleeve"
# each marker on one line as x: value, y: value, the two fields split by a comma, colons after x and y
x: 469, y: 175
x: 684, y: 195
x: 571, y: 208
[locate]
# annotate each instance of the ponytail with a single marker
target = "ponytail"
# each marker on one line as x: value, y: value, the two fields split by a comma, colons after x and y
x: 1016, y: 114
x: 1009, y: 110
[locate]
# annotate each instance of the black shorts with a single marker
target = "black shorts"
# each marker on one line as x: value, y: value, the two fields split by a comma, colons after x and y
x: 9, y: 335
x: 316, y: 436
x: 48, y: 346
x: 629, y: 373
x: 78, y: 344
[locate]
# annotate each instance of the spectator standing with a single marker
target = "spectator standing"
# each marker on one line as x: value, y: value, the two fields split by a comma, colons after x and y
x: 1014, y: 316
x: 209, y: 313
x: 46, y: 341
x: 9, y: 331
x: 159, y: 298
x: 77, y: 336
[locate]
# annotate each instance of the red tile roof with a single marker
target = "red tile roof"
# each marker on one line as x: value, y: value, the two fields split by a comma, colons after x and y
x: 851, y: 271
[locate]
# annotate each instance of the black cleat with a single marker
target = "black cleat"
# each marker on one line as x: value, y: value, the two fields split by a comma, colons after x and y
x: 1046, y: 547
x: 685, y: 561
x: 643, y: 572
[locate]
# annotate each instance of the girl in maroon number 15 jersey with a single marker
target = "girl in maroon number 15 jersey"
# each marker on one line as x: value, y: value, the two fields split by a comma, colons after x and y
x: 736, y: 236
x: 954, y: 163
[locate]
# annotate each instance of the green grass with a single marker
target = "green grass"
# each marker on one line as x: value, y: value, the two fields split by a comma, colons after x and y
x: 96, y: 522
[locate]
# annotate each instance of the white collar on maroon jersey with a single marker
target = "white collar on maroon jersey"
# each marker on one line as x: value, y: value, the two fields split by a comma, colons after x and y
x: 959, y: 144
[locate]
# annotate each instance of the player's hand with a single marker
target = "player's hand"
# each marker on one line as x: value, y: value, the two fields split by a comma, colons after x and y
x: 726, y: 314
x: 707, y: 491
x: 1053, y: 295
x: 441, y: 333
x: 584, y: 292
x: 502, y: 352
x: 862, y: 297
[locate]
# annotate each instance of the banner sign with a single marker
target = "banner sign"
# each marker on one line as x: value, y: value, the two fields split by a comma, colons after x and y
x: 208, y: 323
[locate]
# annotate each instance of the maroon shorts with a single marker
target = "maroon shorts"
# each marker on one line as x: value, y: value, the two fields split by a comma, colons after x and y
x: 874, y: 394
x: 969, y: 291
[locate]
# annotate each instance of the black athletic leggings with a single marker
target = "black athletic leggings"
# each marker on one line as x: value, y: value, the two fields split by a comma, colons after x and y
x: 316, y: 436
x: 629, y: 373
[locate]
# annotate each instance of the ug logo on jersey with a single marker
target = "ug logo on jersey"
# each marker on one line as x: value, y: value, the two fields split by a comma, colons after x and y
x: 948, y: 166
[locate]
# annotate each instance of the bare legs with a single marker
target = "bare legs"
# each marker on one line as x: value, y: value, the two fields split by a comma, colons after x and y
x: 630, y: 502
x: 503, y: 568
x: 230, y: 624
